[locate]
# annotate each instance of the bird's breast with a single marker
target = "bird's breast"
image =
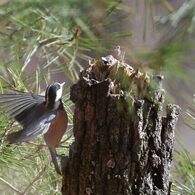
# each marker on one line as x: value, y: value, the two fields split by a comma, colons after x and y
x: 57, y: 129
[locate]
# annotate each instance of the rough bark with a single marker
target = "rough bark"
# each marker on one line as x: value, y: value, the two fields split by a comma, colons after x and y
x: 123, y: 145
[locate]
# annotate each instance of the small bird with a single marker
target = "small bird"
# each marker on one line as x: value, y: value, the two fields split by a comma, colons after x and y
x: 38, y: 115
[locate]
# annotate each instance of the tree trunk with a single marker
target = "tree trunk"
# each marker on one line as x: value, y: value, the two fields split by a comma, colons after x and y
x: 123, y: 145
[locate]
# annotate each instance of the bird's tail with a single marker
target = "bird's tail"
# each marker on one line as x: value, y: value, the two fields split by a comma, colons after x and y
x: 14, y: 137
x: 54, y: 160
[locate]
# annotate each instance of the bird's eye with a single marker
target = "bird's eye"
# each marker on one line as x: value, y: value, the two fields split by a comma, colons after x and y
x: 58, y: 86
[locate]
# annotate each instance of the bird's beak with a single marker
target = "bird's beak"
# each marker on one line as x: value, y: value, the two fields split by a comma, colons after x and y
x: 62, y: 84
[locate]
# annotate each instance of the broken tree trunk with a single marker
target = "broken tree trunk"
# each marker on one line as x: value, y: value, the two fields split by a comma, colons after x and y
x: 123, y: 145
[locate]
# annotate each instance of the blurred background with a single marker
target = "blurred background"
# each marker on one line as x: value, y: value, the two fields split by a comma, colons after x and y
x: 46, y: 41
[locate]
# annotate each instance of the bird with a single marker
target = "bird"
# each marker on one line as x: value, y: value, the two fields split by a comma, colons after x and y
x: 37, y: 114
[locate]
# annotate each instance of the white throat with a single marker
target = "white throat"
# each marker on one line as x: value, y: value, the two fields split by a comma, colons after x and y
x: 58, y: 94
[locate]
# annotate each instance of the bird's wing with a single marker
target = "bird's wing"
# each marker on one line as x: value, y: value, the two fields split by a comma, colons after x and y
x: 19, y: 105
x: 38, y: 126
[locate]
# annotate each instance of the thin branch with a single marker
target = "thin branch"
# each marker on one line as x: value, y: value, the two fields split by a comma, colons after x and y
x: 35, y: 179
x: 40, y: 146
x: 11, y: 186
x: 29, y: 185
x: 167, y: 5
x: 29, y: 57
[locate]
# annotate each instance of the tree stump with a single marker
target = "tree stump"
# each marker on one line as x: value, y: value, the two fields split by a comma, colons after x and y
x: 123, y: 145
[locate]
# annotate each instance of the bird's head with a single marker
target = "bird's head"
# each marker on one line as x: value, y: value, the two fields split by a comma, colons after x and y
x: 54, y: 93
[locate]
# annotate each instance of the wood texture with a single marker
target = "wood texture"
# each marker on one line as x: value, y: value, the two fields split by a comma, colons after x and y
x: 123, y: 145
